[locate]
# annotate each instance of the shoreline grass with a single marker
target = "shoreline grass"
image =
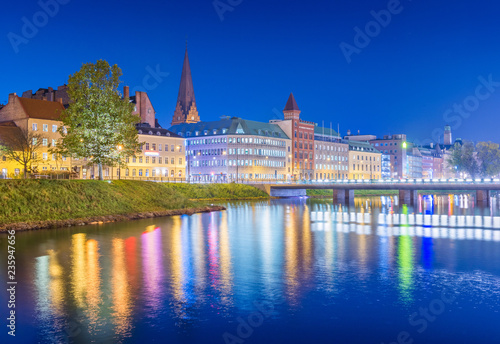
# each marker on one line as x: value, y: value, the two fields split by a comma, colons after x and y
x: 33, y: 201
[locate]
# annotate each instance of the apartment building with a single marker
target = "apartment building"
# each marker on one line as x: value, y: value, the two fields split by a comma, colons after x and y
x: 364, y: 161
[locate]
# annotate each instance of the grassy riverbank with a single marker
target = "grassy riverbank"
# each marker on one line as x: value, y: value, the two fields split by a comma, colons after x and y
x: 31, y: 201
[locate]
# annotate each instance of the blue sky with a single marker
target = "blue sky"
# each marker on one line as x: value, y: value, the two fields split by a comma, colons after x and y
x: 406, y: 79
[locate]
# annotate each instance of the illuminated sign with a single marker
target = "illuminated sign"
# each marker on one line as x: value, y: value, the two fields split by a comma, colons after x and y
x: 151, y: 153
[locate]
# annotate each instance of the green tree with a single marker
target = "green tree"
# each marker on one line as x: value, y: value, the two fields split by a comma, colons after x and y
x: 98, y: 125
x: 488, y: 156
x: 463, y: 159
x: 22, y: 146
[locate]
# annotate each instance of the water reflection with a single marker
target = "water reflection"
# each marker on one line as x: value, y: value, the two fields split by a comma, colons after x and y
x: 183, y: 274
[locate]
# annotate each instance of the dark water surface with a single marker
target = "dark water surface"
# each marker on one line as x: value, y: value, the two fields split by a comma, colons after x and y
x: 279, y: 271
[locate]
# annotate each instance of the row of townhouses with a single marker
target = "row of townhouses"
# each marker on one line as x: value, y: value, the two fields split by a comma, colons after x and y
x: 230, y: 149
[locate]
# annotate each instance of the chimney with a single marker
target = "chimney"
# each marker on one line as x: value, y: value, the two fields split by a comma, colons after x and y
x: 349, y: 132
x: 59, y: 100
x: 12, y: 96
x: 432, y: 145
x: 126, y: 92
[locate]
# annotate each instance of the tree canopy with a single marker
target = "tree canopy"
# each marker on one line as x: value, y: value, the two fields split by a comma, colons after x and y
x: 98, y: 125
x: 480, y: 160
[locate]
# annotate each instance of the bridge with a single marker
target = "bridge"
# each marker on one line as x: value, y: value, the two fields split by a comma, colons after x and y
x: 343, y: 190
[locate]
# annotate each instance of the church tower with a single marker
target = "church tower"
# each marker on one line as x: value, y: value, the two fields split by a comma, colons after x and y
x: 186, y: 111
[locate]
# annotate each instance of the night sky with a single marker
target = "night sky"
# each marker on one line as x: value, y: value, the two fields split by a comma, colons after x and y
x: 246, y: 61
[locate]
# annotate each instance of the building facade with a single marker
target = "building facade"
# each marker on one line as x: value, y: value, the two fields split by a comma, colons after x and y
x: 235, y: 150
x: 364, y: 161
x: 42, y: 118
x: 395, y: 146
x: 331, y: 155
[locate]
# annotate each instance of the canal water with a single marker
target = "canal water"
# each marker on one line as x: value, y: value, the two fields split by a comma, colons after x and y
x: 281, y: 271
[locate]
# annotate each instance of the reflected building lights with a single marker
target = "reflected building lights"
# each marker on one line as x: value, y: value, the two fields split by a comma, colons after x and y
x: 152, y: 269
x: 122, y: 305
x: 93, y: 297
x: 78, y: 269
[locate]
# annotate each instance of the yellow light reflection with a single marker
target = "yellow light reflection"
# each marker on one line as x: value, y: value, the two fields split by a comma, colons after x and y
x: 176, y: 259
x: 94, y: 282
x: 120, y: 290
x: 56, y: 284
x: 78, y: 269
x: 291, y: 257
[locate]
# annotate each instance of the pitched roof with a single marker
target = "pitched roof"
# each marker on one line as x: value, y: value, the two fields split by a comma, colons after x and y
x: 291, y: 104
x: 42, y: 109
x: 229, y: 126
x: 9, y: 131
x: 361, y: 146
x: 146, y: 129
x: 324, y: 131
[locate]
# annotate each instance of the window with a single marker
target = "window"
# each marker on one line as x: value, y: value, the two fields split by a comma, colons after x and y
x: 34, y: 126
x: 44, y: 156
x: 140, y: 172
x: 154, y: 146
x: 180, y: 161
x: 147, y: 146
x: 34, y: 141
x: 54, y: 142
x: 172, y: 148
x: 172, y: 161
x: 45, y: 127
x: 159, y: 160
x: 54, y: 128
x: 140, y: 159
x: 45, y: 142
x: 159, y: 147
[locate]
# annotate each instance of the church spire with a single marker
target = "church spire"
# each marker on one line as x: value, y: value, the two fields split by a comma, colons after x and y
x: 186, y: 111
x: 291, y: 110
